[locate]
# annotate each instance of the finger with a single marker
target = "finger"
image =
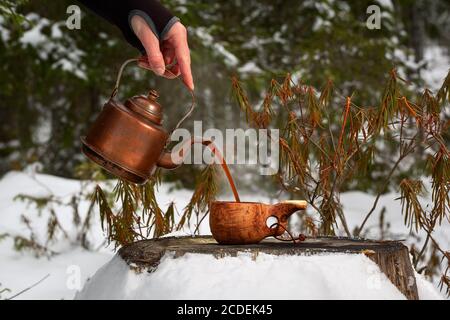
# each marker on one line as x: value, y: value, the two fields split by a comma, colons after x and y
x: 151, y: 45
x: 170, y: 73
x: 184, y: 61
x: 172, y: 69
x: 168, y: 53
x: 156, y: 62
x: 143, y: 63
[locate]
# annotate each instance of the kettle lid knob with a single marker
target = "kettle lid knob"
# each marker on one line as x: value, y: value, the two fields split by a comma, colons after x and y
x: 146, y: 106
x: 153, y: 94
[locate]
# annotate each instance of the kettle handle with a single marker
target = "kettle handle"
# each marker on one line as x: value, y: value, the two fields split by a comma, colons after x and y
x: 141, y: 59
x: 119, y: 76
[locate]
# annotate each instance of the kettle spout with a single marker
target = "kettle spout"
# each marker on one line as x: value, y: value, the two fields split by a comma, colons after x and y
x: 285, y: 209
x: 166, y: 162
x: 173, y: 159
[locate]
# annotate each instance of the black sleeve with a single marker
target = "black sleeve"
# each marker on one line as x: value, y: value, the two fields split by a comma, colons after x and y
x: 120, y: 12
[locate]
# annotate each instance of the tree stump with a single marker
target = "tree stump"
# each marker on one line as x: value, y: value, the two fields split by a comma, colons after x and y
x: 392, y: 257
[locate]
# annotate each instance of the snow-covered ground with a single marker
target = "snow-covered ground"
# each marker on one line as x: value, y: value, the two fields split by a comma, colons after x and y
x: 191, y: 276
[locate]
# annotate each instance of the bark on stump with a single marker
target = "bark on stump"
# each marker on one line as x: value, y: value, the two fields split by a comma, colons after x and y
x: 392, y: 257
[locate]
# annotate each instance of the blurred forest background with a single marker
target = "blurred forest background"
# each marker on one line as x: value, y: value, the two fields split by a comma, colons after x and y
x: 54, y: 81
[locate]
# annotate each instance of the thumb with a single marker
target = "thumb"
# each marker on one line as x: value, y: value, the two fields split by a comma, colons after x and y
x: 150, y: 43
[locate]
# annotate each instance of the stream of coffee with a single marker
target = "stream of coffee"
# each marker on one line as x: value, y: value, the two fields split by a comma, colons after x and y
x: 225, y: 168
x: 219, y: 157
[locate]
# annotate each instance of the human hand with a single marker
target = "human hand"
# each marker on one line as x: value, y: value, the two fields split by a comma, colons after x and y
x: 173, y: 50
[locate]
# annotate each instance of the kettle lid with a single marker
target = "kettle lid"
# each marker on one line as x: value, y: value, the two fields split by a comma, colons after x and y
x: 147, y: 106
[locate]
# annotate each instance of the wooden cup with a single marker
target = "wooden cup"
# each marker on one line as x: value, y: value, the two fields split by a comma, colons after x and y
x: 246, y: 222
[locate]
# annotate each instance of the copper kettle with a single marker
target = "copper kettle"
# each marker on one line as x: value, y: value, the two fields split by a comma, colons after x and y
x: 128, y: 139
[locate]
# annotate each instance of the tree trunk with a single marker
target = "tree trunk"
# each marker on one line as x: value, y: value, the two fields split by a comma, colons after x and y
x: 391, y: 256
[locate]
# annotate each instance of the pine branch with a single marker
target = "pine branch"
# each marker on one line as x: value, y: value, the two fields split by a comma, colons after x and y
x: 444, y: 92
x: 205, y: 192
x: 410, y: 148
x: 411, y: 208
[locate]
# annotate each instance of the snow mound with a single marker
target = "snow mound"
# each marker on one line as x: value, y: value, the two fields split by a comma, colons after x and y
x: 200, y: 276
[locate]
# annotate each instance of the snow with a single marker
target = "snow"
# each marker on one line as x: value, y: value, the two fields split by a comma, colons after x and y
x: 67, y: 272
x: 67, y: 55
x: 356, y: 207
x: 20, y: 270
x: 426, y: 289
x: 191, y: 276
x: 386, y: 4
x: 218, y: 48
x: 4, y: 31
x: 38, y: 185
x: 34, y: 35
x: 433, y: 68
x: 249, y: 67
x: 437, y: 66
x: 198, y: 276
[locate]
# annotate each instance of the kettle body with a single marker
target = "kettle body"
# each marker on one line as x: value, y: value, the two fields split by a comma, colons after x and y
x: 124, y: 143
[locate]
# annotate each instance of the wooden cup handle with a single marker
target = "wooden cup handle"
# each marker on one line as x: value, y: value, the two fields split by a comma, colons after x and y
x: 300, y: 204
x: 282, y: 211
